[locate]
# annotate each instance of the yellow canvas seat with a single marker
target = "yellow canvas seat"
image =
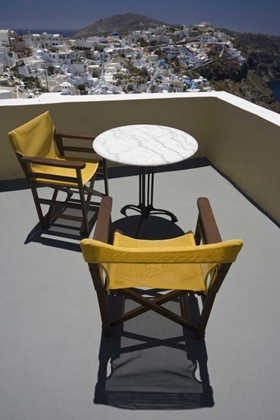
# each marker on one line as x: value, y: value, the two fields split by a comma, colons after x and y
x: 159, y: 276
x: 40, y: 150
x: 180, y: 265
x: 87, y: 172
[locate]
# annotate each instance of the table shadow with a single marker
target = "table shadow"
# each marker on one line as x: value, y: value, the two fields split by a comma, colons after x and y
x: 153, y: 227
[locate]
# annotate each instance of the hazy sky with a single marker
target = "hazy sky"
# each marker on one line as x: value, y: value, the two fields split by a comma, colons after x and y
x: 240, y: 15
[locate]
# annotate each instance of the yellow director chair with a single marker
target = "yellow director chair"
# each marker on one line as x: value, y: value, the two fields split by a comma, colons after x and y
x: 192, y: 263
x: 41, y: 153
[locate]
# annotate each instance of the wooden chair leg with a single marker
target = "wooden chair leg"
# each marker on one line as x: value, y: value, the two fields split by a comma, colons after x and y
x: 51, y: 208
x: 205, y: 313
x: 87, y: 203
x: 89, y: 195
x: 37, y: 204
x: 102, y: 298
x: 84, y: 225
x: 103, y: 305
x: 185, y: 307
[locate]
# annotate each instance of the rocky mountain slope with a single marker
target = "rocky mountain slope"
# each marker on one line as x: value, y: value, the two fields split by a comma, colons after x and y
x: 252, y: 88
x: 250, y: 81
x: 262, y: 51
x: 243, y: 82
x: 119, y: 23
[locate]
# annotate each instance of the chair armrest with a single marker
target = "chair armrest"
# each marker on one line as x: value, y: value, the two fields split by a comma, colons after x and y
x: 103, y: 224
x: 74, y: 136
x: 53, y: 162
x: 59, y: 136
x: 206, y: 229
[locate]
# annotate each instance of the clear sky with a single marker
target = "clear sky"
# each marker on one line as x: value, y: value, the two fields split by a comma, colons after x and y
x: 240, y: 15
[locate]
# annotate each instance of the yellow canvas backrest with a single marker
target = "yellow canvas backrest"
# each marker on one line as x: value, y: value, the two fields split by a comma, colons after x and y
x: 35, y: 138
x: 160, y: 267
x: 100, y: 252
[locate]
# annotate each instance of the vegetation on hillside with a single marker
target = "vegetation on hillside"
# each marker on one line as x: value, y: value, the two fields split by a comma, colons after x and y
x: 262, y: 52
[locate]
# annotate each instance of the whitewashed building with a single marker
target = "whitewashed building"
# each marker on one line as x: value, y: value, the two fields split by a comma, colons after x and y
x: 45, y: 40
x: 6, y: 35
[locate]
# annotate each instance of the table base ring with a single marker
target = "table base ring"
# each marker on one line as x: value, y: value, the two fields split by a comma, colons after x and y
x: 147, y: 210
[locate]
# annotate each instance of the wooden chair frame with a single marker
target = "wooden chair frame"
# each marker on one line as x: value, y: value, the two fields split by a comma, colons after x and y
x: 84, y: 191
x: 206, y: 232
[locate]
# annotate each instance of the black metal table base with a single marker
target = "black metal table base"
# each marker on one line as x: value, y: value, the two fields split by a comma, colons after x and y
x: 146, y: 197
x: 146, y: 211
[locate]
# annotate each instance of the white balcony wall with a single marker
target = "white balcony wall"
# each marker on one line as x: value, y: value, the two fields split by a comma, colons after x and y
x: 239, y: 138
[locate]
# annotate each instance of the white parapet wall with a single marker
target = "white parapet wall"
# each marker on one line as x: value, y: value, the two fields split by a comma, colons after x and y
x: 239, y: 138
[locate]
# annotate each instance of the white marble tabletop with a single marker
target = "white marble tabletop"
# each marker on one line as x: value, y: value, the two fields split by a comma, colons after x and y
x: 145, y: 145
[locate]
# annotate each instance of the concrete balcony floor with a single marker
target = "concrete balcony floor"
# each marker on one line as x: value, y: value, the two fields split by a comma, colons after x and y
x: 49, y: 318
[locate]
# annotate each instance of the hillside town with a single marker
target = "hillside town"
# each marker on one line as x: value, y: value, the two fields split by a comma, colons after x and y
x: 155, y: 60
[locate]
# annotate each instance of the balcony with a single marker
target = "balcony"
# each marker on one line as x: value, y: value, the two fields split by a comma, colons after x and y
x: 49, y: 320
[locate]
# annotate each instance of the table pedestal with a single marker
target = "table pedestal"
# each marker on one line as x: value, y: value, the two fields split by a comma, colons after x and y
x: 146, y: 197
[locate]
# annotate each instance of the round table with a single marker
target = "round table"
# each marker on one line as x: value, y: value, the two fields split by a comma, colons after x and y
x: 145, y: 146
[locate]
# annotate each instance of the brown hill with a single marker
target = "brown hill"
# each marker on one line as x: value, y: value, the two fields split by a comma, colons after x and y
x: 120, y: 23
x: 262, y: 50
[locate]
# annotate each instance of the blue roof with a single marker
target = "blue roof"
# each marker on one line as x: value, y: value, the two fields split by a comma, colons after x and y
x: 115, y: 33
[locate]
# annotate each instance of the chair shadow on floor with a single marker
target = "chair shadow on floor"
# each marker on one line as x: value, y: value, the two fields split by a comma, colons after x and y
x: 63, y: 233
x: 150, y: 362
